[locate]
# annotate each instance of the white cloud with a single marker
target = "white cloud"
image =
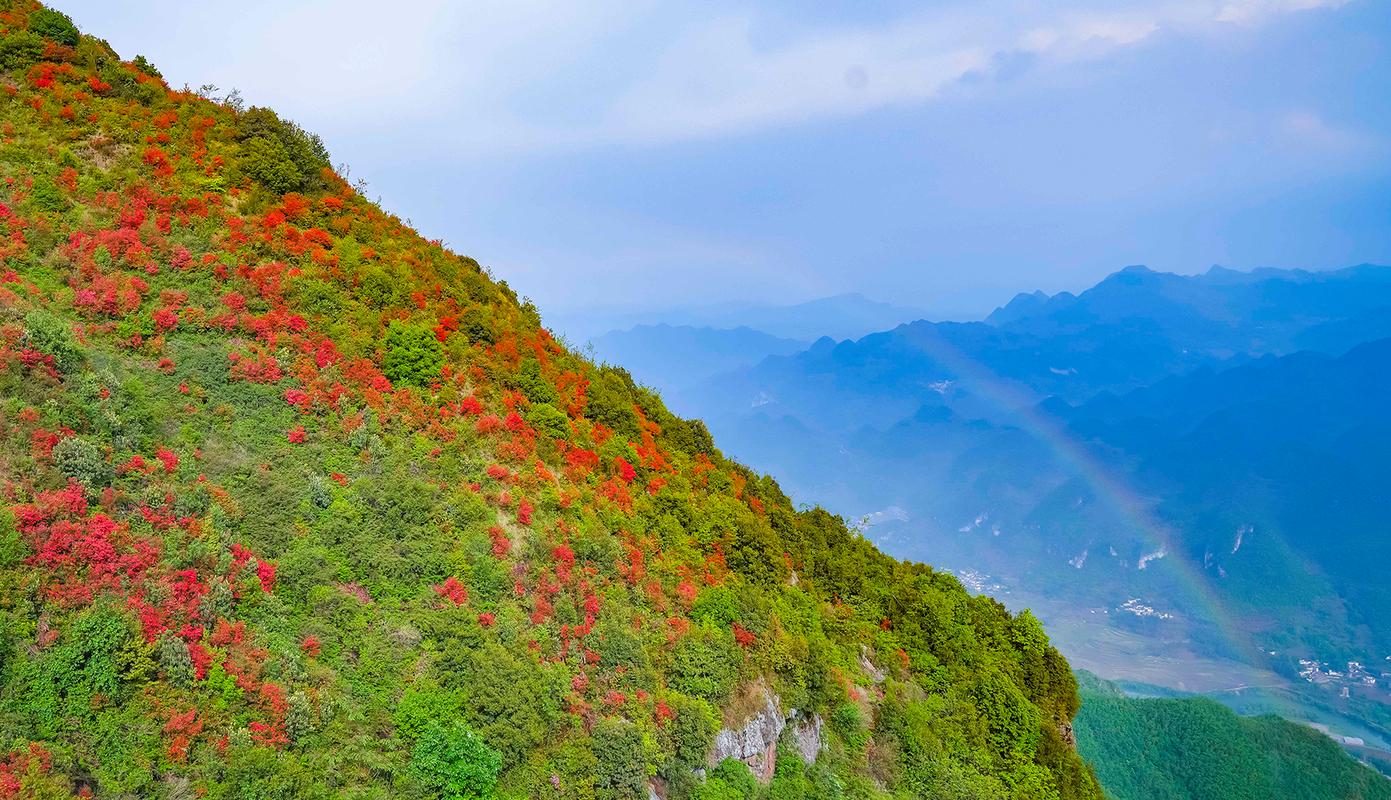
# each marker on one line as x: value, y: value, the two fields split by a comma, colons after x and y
x: 715, y: 80
x: 539, y: 75
x: 1246, y: 11
x: 1308, y: 131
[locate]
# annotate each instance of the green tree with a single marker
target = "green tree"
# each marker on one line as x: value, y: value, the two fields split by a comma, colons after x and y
x: 455, y: 762
x: 143, y: 64
x: 174, y: 660
x: 20, y: 49
x: 45, y: 197
x: 268, y: 162
x: 533, y: 384
x: 50, y: 335
x: 12, y: 547
x: 716, y: 606
x: 280, y: 154
x: 621, y: 772
x: 510, y: 700
x: 80, y: 460
x: 413, y: 354
x: 729, y: 780
x: 549, y: 420
x: 705, y: 664
x: 419, y: 709
x: 690, y: 734
x: 54, y: 25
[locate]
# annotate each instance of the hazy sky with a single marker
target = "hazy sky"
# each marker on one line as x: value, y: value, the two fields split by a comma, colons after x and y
x: 640, y: 154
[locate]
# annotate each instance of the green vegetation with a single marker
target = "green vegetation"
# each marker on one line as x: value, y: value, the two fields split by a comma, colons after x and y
x: 452, y: 760
x: 298, y: 504
x: 413, y: 355
x: 1192, y: 747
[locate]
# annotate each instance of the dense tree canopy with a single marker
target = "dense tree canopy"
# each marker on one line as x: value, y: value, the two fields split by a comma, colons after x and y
x: 1174, y: 748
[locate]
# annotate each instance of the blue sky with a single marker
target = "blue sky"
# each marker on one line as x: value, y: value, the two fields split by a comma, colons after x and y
x: 639, y: 155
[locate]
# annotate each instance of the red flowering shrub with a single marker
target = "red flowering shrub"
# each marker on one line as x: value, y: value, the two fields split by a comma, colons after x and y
x: 18, y: 764
x: 182, y: 728
x: 265, y: 573
x: 169, y: 458
x: 165, y: 319
x: 501, y: 544
x: 743, y: 636
x: 453, y: 591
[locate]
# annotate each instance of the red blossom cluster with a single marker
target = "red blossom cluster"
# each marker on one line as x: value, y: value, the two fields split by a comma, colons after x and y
x: 501, y: 544
x: 453, y: 591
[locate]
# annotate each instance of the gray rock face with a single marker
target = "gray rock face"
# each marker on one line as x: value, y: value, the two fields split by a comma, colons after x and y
x: 755, y: 742
x: 806, y: 736
x: 875, y: 674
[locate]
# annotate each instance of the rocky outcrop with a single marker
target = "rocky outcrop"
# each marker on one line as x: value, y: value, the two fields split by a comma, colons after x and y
x: 875, y: 674
x: 755, y: 742
x: 807, y: 737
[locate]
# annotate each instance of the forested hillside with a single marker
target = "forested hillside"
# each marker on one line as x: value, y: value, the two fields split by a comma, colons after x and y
x: 1192, y: 747
x: 299, y: 504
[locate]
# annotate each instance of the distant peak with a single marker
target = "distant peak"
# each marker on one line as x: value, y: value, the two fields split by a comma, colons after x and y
x: 1021, y: 305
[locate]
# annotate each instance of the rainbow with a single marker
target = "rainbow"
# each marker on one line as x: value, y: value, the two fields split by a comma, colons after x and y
x: 1019, y: 404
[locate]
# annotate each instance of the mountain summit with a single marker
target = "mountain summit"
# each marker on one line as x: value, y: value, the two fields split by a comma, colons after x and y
x: 299, y: 504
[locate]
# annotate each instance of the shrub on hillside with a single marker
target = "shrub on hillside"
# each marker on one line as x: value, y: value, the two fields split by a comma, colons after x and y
x: 413, y: 354
x: 54, y: 25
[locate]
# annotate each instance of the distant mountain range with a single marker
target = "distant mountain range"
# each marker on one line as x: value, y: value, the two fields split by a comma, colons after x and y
x: 842, y: 316
x: 1200, y: 460
x: 672, y: 358
x: 1133, y: 328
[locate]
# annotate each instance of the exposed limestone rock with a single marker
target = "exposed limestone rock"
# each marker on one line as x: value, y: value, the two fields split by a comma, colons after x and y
x: 806, y: 736
x: 875, y: 674
x: 755, y: 742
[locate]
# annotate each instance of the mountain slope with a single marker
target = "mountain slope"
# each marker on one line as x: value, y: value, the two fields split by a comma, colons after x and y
x: 298, y: 504
x: 1192, y: 748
